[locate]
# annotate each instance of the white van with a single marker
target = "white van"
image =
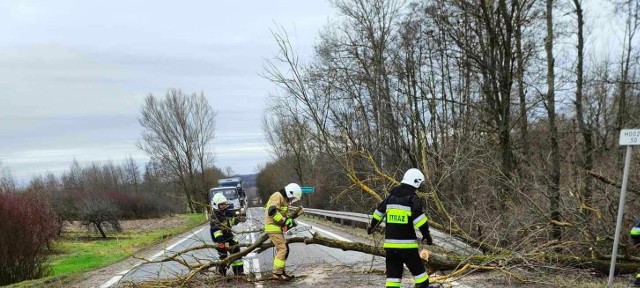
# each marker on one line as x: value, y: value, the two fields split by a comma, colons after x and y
x: 231, y: 193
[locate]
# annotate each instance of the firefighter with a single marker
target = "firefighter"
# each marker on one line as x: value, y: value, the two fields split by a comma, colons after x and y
x: 221, y: 221
x: 635, y: 238
x: 402, y: 212
x: 277, y: 222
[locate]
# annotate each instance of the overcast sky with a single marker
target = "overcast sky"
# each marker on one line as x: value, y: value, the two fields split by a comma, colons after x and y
x: 73, y: 74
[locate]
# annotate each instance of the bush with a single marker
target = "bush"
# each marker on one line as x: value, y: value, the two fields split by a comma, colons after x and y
x: 142, y: 205
x: 26, y: 227
x: 63, y: 205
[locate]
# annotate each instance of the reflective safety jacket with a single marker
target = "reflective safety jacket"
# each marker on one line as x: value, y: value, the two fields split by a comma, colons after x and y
x: 221, y: 222
x: 275, y: 212
x: 403, y: 212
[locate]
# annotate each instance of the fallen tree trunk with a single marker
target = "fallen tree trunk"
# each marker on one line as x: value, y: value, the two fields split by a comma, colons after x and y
x: 437, y: 261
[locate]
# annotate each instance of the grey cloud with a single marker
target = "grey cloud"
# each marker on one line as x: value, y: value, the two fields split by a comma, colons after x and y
x: 73, y: 74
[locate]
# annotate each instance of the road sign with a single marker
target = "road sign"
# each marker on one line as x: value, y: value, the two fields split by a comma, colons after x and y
x: 307, y: 189
x: 629, y: 137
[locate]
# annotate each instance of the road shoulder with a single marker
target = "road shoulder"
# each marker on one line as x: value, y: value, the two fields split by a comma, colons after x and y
x: 98, y: 277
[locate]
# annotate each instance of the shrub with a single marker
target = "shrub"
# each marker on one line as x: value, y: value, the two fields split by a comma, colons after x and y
x: 64, y: 206
x: 142, y: 205
x: 26, y: 227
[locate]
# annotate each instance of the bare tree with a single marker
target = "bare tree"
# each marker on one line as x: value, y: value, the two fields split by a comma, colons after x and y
x: 554, y: 157
x: 100, y: 214
x: 584, y: 126
x: 72, y: 181
x: 178, y: 131
x: 132, y: 173
x: 7, y: 184
x: 631, y: 11
x: 228, y: 171
x: 436, y: 85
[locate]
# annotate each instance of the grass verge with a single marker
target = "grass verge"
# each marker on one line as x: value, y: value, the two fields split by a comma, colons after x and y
x: 78, y: 253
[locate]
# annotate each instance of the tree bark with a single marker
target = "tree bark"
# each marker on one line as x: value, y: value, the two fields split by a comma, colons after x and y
x: 554, y: 159
x: 99, y: 227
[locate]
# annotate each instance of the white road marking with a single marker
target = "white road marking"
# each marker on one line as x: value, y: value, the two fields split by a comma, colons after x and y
x: 184, y: 239
x: 326, y: 232
x: 114, y: 279
x: 119, y: 276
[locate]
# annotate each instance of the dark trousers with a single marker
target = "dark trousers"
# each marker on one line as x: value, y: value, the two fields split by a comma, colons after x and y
x: 237, y: 265
x: 410, y: 257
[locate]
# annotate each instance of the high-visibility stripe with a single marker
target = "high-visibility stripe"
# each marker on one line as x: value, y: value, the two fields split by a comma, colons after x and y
x: 401, y: 241
x: 399, y: 207
x: 217, y: 233
x: 420, y: 278
x: 284, y: 208
x: 394, y: 280
x: 272, y: 228
x: 377, y: 215
x: 278, y: 263
x: 418, y: 222
x: 635, y: 231
x: 277, y: 217
x: 392, y: 284
x: 237, y: 263
x: 638, y: 275
x: 400, y: 244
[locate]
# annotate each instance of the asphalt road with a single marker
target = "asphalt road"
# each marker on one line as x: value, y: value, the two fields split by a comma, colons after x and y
x: 301, y: 258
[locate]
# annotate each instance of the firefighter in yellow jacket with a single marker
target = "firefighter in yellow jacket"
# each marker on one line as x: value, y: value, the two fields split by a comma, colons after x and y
x: 277, y: 222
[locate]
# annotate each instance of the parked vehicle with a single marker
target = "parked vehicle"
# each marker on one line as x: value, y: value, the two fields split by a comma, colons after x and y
x: 237, y: 183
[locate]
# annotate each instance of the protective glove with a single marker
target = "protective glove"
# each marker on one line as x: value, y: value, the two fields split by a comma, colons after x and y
x: 290, y: 223
x: 427, y: 238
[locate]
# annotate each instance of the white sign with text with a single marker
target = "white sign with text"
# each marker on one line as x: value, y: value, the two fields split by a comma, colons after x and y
x: 629, y: 137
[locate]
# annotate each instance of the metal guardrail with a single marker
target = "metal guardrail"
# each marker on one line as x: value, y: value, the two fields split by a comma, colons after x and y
x: 362, y: 220
x: 346, y: 218
x: 358, y: 217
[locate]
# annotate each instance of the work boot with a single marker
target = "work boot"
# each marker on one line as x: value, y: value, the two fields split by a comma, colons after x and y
x: 290, y: 276
x: 222, y: 270
x: 281, y: 277
x: 238, y: 270
x: 426, y: 285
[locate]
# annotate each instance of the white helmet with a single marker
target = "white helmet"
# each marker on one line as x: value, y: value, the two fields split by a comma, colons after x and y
x: 293, y: 191
x: 413, y: 177
x: 217, y: 200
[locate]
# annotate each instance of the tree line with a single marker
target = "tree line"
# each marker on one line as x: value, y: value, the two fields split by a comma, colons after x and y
x: 512, y: 117
x: 177, y: 133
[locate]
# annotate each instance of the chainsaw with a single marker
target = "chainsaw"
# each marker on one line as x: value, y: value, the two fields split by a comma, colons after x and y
x: 297, y: 229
